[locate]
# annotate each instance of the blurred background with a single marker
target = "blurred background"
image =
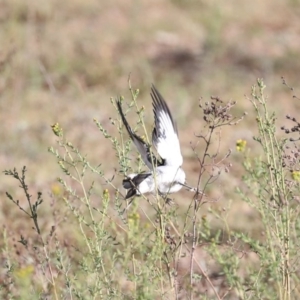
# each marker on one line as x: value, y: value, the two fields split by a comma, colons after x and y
x: 62, y: 61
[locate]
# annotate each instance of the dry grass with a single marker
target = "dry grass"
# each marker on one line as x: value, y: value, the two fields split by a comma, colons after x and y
x: 63, y: 61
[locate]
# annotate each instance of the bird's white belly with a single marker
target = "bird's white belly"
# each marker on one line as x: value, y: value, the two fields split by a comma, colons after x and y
x: 168, y: 179
x: 146, y: 186
x: 166, y: 188
x: 165, y: 180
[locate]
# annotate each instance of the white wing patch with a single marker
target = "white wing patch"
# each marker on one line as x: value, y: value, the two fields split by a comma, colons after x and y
x: 164, y: 136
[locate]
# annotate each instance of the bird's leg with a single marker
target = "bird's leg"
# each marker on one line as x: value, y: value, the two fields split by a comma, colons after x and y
x: 168, y: 200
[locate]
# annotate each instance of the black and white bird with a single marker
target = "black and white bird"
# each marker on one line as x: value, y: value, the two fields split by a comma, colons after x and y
x: 165, y: 174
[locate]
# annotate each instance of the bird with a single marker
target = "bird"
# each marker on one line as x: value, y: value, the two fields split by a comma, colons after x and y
x: 165, y: 173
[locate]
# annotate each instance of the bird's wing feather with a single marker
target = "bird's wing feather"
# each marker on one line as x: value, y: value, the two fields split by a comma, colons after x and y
x: 165, y: 136
x: 143, y: 148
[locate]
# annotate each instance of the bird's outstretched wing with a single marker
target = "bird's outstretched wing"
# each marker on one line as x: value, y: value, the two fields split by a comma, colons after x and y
x: 165, y: 136
x: 143, y: 148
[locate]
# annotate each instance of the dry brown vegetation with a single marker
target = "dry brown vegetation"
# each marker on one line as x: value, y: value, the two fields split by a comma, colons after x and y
x: 62, y: 61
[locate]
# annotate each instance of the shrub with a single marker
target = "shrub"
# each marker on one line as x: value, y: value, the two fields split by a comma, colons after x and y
x: 154, y: 250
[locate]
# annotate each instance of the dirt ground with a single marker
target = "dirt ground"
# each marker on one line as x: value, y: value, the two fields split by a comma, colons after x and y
x: 62, y: 61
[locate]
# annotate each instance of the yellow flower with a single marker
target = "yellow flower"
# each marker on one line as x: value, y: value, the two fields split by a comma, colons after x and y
x: 56, y: 189
x: 241, y: 145
x: 134, y: 216
x: 296, y: 175
x: 57, y: 130
x: 106, y: 194
x: 24, y: 272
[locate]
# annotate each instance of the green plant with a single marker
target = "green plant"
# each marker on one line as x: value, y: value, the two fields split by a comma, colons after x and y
x: 151, y: 249
x: 43, y: 258
x: 273, y: 193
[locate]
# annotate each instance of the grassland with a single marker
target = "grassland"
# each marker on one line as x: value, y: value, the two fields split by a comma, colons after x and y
x: 62, y: 62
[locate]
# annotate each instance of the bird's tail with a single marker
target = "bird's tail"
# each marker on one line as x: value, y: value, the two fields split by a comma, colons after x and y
x: 131, y: 183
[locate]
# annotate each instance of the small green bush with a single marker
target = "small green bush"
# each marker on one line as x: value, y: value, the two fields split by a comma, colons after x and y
x: 154, y: 250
